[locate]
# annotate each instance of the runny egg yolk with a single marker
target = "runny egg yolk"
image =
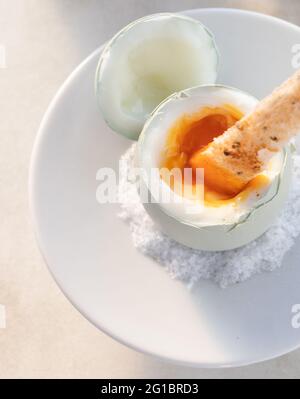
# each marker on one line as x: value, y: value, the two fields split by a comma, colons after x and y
x: 193, y: 132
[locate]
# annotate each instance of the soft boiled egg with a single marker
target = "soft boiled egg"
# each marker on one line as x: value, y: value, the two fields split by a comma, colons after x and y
x: 206, y: 219
x: 148, y: 61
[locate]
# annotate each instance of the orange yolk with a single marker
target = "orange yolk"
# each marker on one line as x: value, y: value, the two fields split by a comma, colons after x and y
x: 193, y: 132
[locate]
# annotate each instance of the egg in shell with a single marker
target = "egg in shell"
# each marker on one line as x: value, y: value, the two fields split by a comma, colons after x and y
x: 146, y: 62
x: 183, y: 124
x: 138, y: 73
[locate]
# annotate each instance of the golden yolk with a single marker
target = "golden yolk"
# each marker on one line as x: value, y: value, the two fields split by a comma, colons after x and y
x: 193, y: 132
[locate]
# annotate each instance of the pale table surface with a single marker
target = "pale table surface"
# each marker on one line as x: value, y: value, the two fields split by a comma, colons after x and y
x: 45, y: 336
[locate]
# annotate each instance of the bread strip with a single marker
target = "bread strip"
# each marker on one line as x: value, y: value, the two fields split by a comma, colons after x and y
x: 243, y: 150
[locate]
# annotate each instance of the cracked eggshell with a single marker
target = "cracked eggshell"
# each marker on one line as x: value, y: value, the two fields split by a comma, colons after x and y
x: 146, y: 62
x: 210, y: 232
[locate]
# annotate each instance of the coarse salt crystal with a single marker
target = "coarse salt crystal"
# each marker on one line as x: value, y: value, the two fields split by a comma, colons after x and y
x: 224, y: 268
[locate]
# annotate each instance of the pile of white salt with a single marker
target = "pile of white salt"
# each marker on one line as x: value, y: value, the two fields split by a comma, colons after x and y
x: 224, y: 268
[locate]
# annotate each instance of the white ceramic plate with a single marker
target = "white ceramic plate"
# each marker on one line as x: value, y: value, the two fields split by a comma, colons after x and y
x: 89, y: 250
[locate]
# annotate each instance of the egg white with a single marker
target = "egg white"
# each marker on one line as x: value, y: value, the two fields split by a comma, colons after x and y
x: 152, y: 141
x: 148, y: 61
